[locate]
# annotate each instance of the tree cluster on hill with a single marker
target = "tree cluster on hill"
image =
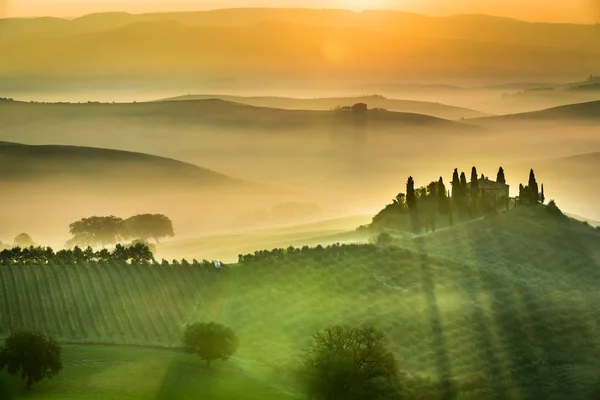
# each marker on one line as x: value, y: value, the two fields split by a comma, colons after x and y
x: 418, y: 209
x: 102, y: 231
x: 530, y: 194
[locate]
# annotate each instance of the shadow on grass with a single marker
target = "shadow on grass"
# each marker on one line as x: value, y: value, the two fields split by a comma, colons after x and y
x: 443, y: 366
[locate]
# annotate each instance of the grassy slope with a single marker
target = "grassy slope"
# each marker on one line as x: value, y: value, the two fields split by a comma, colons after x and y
x: 419, y: 107
x: 227, y: 247
x: 22, y: 162
x: 123, y: 373
x: 502, y: 307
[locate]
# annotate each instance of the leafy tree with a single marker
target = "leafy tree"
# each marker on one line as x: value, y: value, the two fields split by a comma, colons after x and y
x: 23, y: 240
x: 148, y: 226
x: 350, y: 363
x: 456, y: 189
x: 32, y: 355
x: 534, y: 195
x: 96, y: 231
x: 210, y: 341
x: 542, y: 195
x: 411, y: 198
x: 500, y: 177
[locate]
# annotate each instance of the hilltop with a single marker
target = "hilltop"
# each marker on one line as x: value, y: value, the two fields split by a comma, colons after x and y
x: 406, y: 106
x: 488, y: 309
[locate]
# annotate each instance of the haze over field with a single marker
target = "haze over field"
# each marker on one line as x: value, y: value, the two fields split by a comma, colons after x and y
x: 352, y: 200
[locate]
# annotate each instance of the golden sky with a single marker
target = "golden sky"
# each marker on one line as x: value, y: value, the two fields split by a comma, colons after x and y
x: 579, y: 11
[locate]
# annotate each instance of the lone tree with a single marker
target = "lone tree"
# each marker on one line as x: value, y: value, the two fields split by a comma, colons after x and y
x: 210, y: 341
x: 148, y: 226
x: 32, y: 355
x: 542, y: 195
x: 350, y: 363
x: 500, y: 177
x: 96, y: 231
x: 23, y: 240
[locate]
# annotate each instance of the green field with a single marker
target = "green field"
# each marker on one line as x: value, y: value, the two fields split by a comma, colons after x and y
x: 504, y: 307
x: 228, y: 247
x: 123, y: 373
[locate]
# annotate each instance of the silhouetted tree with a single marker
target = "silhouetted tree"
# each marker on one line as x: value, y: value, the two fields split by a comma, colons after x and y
x: 542, y: 195
x: 96, y: 231
x: 463, y: 184
x: 147, y: 226
x: 23, y: 240
x: 474, y: 190
x: 349, y: 363
x: 500, y: 177
x: 456, y: 189
x: 31, y: 355
x: 533, y: 188
x: 411, y: 198
x: 210, y: 341
x: 443, y: 206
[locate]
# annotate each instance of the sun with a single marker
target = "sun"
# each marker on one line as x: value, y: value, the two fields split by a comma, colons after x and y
x: 361, y: 5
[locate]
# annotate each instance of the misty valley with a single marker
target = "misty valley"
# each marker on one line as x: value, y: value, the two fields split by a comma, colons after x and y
x: 298, y: 203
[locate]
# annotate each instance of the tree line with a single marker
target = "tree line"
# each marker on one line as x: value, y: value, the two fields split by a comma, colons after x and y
x: 135, y: 253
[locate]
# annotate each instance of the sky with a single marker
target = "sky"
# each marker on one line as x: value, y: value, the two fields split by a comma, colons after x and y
x: 575, y: 11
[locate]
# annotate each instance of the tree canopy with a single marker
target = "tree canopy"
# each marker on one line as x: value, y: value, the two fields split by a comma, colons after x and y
x: 500, y: 177
x: 23, y: 240
x: 351, y: 363
x: 147, y: 226
x: 210, y: 341
x: 31, y: 355
x: 95, y: 231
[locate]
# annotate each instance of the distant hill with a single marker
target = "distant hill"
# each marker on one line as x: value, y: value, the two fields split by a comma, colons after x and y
x: 589, y: 111
x: 407, y: 106
x: 21, y: 163
x: 46, y: 187
x: 258, y: 44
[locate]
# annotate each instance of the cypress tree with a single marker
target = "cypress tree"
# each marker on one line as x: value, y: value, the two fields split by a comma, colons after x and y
x: 500, y: 177
x: 455, y: 184
x: 463, y: 184
x: 533, y: 188
x: 411, y: 199
x: 542, y: 196
x: 442, y: 200
x: 474, y: 183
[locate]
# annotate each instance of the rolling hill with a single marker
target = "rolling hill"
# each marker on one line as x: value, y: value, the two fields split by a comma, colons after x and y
x: 247, y: 44
x: 406, y: 106
x: 499, y: 307
x: 46, y: 187
x: 580, y: 112
x: 21, y: 163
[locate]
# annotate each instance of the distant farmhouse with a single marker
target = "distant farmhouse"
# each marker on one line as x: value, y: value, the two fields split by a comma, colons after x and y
x: 491, y: 192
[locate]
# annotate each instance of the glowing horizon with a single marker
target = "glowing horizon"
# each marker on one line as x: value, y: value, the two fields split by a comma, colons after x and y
x: 570, y: 11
